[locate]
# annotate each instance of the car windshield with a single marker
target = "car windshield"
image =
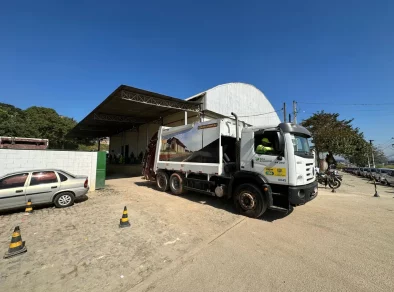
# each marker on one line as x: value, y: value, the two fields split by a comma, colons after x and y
x: 300, y: 144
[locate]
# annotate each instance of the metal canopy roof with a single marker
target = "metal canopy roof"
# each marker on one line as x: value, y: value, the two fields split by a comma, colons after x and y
x: 127, y: 108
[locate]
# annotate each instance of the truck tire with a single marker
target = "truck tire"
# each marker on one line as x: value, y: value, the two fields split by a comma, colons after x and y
x: 176, y: 184
x: 162, y: 181
x: 249, y: 201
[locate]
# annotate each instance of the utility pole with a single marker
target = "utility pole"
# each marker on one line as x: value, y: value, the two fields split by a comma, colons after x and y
x: 284, y: 112
x: 289, y: 118
x: 373, y: 158
x: 295, y: 111
x: 369, y: 164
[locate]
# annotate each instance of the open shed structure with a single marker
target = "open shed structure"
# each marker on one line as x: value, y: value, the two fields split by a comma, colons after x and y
x: 131, y: 116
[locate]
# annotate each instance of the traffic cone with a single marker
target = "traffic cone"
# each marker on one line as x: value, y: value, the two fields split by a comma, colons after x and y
x: 124, y: 222
x: 17, y: 246
x: 29, y: 207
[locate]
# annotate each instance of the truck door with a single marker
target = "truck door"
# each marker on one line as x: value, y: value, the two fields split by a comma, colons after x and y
x: 262, y: 154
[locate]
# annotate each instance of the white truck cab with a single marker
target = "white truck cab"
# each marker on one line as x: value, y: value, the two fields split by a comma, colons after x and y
x: 290, y: 164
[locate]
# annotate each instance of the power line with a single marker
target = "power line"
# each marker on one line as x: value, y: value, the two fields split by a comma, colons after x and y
x: 243, y: 116
x: 390, y: 141
x: 347, y: 104
x: 392, y: 145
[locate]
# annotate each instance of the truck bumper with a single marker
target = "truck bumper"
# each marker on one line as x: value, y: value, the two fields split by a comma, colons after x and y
x: 302, y: 194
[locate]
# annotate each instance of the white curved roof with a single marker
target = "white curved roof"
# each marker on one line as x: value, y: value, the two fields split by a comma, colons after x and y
x: 248, y: 102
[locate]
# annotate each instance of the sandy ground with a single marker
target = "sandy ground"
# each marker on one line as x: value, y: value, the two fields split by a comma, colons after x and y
x: 338, y: 242
x: 81, y: 248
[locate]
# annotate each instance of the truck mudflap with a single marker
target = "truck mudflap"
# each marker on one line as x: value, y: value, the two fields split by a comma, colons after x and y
x: 302, y: 194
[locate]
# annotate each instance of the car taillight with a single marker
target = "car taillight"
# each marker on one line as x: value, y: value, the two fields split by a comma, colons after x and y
x: 85, y: 185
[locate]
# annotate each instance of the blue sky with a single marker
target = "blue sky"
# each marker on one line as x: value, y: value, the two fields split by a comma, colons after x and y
x: 71, y: 55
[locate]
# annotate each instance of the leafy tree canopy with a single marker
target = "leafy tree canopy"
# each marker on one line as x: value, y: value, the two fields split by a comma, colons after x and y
x: 39, y: 122
x: 338, y: 136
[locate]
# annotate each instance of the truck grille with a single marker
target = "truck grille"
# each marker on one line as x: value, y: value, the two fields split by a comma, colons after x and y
x: 309, y: 172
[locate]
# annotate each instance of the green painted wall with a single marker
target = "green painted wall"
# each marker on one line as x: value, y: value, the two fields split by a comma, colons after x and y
x: 100, y: 170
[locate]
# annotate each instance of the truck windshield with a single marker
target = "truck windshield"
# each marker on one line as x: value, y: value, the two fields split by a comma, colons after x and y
x: 301, y: 145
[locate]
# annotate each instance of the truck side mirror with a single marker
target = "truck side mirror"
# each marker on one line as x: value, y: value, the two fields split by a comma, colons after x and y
x: 281, y: 142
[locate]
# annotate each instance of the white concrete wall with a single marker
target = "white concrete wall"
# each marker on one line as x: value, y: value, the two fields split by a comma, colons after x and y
x: 75, y: 162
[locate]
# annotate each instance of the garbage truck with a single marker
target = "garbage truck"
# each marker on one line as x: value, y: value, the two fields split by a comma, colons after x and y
x: 258, y: 167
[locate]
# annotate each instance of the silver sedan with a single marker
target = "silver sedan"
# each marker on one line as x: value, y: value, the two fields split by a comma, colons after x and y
x: 41, y: 186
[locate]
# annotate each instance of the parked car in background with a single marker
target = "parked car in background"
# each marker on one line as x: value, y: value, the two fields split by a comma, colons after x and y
x: 380, y: 172
x: 388, y: 177
x: 41, y: 186
x: 372, y: 173
x: 365, y: 172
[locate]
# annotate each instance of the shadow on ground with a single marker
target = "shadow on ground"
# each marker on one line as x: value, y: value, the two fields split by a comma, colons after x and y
x: 219, y: 203
x: 272, y: 215
x: 118, y: 176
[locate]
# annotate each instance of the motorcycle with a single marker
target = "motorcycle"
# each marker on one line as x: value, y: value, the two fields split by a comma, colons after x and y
x: 331, y: 178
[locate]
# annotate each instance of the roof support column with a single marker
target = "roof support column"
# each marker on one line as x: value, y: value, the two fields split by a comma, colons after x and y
x: 185, y: 117
x: 147, y: 137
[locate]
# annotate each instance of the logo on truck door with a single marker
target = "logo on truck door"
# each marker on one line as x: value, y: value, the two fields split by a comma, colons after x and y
x: 275, y: 171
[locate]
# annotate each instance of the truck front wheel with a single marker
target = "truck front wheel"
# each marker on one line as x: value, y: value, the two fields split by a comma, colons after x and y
x: 249, y: 201
x: 162, y: 181
x: 176, y: 184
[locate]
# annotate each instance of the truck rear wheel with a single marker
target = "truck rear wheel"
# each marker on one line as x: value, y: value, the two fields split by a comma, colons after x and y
x: 162, y: 181
x: 176, y: 184
x: 249, y: 201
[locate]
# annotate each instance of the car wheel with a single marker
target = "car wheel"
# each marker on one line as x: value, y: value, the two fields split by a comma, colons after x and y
x: 176, y: 184
x: 162, y: 181
x: 249, y: 201
x: 64, y: 200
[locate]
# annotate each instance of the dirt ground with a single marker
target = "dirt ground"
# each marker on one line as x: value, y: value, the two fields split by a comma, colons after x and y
x: 175, y: 243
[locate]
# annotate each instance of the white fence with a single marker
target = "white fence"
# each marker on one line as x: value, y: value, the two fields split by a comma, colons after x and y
x: 75, y: 162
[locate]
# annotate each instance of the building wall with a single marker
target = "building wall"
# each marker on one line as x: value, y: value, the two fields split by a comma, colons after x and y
x: 243, y: 99
x: 75, y: 162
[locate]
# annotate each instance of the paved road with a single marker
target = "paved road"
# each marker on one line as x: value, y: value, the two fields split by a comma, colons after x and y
x: 338, y: 242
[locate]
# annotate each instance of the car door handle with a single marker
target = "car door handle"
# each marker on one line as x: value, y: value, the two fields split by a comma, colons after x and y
x: 54, y: 187
x: 18, y: 191
x: 252, y: 162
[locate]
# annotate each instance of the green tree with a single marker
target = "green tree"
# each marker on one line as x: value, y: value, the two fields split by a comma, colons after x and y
x: 338, y: 136
x: 39, y: 122
x: 12, y: 121
x: 332, y: 134
x: 46, y: 123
